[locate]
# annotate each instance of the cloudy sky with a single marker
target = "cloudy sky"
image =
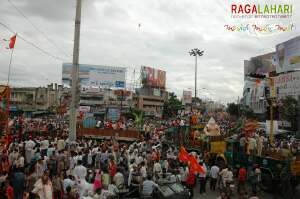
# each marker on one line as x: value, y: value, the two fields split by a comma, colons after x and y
x: 111, y: 35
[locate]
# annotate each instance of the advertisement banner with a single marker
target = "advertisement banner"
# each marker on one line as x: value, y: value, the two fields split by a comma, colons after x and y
x: 84, y: 109
x: 92, y: 76
x: 187, y: 97
x: 122, y: 93
x: 156, y: 92
x: 288, y: 84
x: 262, y: 64
x: 288, y: 55
x: 153, y: 77
x: 113, y: 114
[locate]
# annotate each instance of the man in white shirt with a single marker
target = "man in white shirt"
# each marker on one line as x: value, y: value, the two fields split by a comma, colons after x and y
x: 29, y: 145
x: 225, y: 176
x: 143, y: 170
x: 157, y: 168
x: 80, y: 171
x: 214, y: 173
x: 184, y: 173
x: 68, y: 182
x: 20, y: 162
x: 61, y: 144
x: 119, y: 180
x: 44, y: 146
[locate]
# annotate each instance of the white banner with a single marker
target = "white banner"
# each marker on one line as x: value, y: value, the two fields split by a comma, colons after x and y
x: 187, y: 97
x: 84, y: 109
x: 107, y: 76
x: 288, y: 84
x: 95, y: 76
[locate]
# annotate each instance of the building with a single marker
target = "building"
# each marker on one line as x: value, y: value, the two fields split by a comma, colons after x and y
x: 151, y: 100
x: 35, y: 100
x: 256, y: 86
x: 98, y: 102
x: 254, y: 95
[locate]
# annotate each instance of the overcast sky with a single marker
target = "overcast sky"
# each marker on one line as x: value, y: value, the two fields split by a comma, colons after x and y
x: 110, y: 35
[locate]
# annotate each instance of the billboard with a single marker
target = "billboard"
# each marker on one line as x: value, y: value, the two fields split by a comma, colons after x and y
x: 113, y: 114
x: 262, y: 64
x: 95, y: 76
x: 288, y: 84
x: 153, y: 77
x: 288, y: 55
x: 187, y: 97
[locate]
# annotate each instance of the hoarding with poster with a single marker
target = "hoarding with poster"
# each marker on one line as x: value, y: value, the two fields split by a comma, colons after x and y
x: 288, y: 84
x: 97, y: 76
x: 261, y: 65
x: 153, y: 77
x: 187, y: 97
x: 288, y: 55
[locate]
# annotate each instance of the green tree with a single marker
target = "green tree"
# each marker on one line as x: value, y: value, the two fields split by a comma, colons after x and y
x: 171, y: 106
x: 246, y: 111
x: 233, y: 109
x: 287, y: 109
x: 138, y: 118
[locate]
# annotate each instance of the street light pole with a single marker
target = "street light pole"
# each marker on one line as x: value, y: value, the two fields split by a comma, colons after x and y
x: 196, y: 52
x: 196, y: 76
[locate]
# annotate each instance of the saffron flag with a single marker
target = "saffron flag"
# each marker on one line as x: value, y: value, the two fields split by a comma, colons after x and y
x: 194, y: 165
x: 183, y: 155
x: 257, y: 82
x: 12, y: 41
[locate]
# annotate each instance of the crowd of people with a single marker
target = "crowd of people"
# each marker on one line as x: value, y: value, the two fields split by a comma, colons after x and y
x: 48, y: 167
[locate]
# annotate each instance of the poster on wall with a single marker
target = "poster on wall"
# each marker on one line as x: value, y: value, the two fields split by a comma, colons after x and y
x: 288, y: 55
x: 153, y: 77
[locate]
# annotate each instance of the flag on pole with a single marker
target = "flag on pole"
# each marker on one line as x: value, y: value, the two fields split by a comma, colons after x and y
x: 12, y: 41
x: 183, y: 155
x: 194, y: 165
x: 10, y: 44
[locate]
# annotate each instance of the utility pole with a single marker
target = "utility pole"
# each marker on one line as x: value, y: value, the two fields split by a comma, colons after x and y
x: 75, y: 73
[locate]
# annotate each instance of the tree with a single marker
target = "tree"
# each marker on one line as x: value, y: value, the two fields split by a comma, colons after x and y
x: 287, y: 109
x: 246, y: 111
x: 171, y: 106
x: 138, y: 118
x: 233, y: 109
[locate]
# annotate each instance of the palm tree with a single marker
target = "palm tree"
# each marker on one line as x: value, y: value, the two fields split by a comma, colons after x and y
x: 138, y: 119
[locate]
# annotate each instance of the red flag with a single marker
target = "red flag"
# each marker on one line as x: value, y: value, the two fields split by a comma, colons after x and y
x: 194, y: 165
x: 257, y: 82
x: 183, y: 155
x: 12, y: 41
